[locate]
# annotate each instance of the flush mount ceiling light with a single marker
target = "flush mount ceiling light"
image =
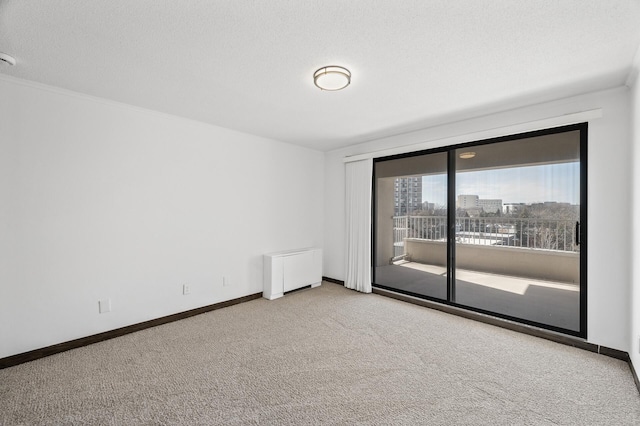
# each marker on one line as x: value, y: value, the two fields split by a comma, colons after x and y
x: 332, y: 78
x: 7, y: 59
x: 467, y: 155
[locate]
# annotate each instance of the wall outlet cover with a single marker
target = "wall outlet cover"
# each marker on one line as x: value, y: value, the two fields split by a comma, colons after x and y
x: 104, y: 306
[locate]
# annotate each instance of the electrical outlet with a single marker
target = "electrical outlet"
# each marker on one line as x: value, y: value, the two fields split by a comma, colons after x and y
x: 186, y: 289
x: 104, y: 306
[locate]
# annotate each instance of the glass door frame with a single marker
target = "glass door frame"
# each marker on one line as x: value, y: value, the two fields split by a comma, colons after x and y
x: 451, y: 225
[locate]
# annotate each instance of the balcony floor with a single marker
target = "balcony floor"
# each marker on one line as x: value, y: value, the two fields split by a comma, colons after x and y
x: 546, y: 302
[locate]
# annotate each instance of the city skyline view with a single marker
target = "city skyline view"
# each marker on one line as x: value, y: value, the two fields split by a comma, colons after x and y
x: 531, y: 184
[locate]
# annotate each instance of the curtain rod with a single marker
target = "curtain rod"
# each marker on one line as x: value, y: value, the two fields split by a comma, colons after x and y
x: 530, y: 126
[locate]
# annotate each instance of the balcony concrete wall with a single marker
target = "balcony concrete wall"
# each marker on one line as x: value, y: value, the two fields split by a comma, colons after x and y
x: 514, y: 261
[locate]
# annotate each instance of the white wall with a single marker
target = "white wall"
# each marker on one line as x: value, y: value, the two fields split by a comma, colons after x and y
x: 634, y: 346
x: 609, y: 215
x: 100, y: 200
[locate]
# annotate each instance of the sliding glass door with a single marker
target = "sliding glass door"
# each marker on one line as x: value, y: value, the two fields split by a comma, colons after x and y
x: 493, y: 226
x: 411, y: 224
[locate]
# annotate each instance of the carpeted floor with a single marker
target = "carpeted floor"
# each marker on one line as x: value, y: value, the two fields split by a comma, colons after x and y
x: 326, y: 355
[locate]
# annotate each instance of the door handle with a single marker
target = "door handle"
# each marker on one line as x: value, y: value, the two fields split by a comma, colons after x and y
x: 577, y: 233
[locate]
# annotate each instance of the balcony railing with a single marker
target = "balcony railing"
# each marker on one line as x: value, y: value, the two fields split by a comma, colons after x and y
x: 541, y: 234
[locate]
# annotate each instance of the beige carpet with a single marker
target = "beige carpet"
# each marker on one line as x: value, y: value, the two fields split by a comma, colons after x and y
x: 322, y: 356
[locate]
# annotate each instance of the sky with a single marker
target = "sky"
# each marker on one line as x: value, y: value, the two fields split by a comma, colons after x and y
x: 532, y: 184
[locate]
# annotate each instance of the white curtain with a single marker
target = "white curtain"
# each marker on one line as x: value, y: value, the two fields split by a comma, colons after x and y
x: 358, y: 207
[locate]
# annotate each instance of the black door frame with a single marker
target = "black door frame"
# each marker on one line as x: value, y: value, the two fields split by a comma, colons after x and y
x: 451, y: 211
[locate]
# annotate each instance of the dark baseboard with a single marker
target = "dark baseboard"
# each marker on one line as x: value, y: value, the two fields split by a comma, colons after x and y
x: 12, y: 360
x: 614, y: 353
x: 635, y: 375
x: 333, y: 280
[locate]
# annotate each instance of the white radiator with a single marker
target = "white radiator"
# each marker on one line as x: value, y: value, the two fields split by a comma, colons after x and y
x: 290, y: 270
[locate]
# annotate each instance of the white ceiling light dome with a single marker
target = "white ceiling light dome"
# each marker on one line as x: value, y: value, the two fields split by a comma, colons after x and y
x: 332, y: 78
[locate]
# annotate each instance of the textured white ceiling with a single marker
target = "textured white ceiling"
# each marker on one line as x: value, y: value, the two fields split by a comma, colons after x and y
x: 248, y: 65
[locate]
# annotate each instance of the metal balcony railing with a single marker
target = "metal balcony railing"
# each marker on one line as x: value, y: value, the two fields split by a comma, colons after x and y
x: 541, y: 234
